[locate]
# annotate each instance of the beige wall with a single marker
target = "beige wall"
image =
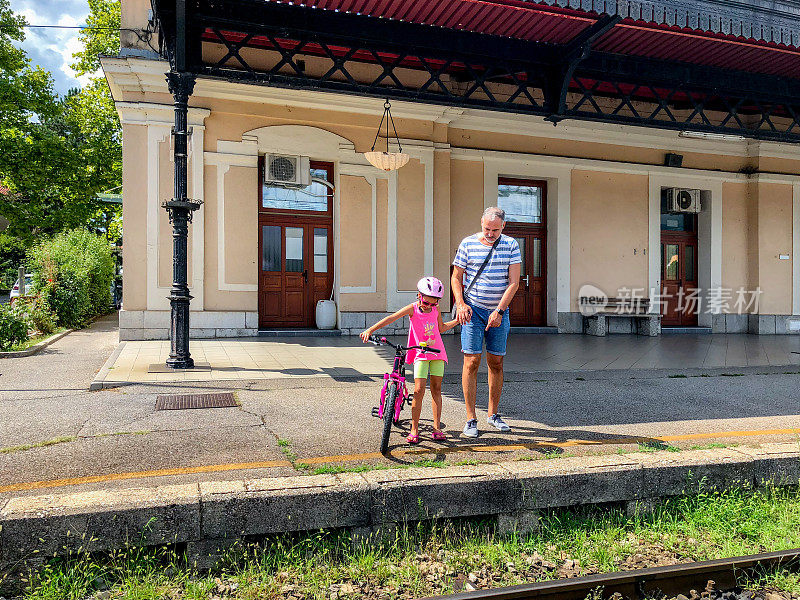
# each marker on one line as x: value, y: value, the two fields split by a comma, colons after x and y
x: 441, y: 222
x: 775, y: 238
x: 736, y: 234
x: 410, y: 221
x: 240, y: 185
x: 466, y: 200
x: 609, y: 220
x: 134, y: 215
x: 134, y: 16
x: 355, y: 215
x: 377, y: 301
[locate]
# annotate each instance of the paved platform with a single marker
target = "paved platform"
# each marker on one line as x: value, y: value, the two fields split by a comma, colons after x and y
x: 245, y: 359
x: 57, y: 435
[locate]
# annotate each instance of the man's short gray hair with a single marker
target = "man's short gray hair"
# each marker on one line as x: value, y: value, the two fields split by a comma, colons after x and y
x: 493, y: 212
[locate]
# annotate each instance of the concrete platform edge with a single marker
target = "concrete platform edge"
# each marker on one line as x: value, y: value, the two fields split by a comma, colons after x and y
x: 99, y: 380
x: 199, y: 513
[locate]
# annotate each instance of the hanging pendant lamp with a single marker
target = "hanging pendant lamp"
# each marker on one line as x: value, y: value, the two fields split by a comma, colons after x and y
x: 388, y: 161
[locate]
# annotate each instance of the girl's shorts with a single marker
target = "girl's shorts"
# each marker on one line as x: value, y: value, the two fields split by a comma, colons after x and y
x: 424, y: 367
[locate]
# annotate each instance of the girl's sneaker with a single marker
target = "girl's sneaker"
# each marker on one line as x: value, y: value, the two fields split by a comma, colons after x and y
x: 496, y: 421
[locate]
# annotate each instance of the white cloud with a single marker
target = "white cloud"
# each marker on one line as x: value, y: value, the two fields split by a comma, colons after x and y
x: 52, y: 48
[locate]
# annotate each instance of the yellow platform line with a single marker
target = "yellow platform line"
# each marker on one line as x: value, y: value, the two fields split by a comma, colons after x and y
x: 35, y: 485
x: 54, y: 483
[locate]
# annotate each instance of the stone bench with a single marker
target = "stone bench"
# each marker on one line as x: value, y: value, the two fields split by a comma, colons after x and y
x: 637, y: 310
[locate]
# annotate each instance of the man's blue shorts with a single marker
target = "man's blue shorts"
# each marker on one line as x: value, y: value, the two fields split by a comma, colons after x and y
x: 474, y: 332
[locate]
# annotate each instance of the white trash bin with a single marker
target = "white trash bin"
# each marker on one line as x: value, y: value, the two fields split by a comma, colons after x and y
x: 326, y: 314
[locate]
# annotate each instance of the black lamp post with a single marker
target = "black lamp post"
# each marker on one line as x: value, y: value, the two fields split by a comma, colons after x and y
x: 180, y: 209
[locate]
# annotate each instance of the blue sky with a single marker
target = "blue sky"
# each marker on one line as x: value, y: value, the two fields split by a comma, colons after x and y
x: 53, y: 48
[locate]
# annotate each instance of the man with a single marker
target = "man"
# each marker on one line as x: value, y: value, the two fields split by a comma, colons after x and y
x: 483, y: 313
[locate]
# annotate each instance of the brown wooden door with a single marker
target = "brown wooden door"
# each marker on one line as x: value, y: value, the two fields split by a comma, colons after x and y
x: 525, y: 204
x: 680, y: 294
x: 295, y: 238
x: 295, y: 271
x: 528, y: 308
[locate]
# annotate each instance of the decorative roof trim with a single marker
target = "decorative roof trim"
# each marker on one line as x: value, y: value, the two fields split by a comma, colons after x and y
x: 763, y: 20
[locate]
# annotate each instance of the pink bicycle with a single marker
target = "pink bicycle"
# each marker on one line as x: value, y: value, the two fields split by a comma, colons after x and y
x: 394, y: 393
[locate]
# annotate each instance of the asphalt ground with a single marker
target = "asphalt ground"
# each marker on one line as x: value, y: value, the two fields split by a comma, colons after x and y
x: 56, y: 436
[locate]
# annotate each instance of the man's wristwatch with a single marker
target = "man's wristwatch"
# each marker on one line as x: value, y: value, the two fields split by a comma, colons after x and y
x: 500, y: 311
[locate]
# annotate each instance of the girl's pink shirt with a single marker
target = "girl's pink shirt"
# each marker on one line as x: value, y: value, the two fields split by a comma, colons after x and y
x: 425, y: 328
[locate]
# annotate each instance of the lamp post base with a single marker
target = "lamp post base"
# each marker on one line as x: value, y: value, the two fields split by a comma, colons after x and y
x: 180, y: 363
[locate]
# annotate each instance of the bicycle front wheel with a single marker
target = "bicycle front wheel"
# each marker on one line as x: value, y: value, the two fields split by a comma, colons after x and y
x: 388, y: 415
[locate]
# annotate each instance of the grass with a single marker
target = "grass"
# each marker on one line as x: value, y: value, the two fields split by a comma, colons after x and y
x: 34, y: 340
x: 42, y: 444
x: 429, y: 558
x: 649, y: 447
x: 63, y: 440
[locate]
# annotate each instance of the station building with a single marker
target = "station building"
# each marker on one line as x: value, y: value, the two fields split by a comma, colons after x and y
x: 646, y: 149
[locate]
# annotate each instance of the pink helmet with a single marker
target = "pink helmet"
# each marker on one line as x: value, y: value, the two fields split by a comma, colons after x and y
x: 430, y: 286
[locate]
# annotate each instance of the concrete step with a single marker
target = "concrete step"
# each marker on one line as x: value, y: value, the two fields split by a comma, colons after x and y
x: 684, y: 330
x: 308, y: 332
x: 533, y: 330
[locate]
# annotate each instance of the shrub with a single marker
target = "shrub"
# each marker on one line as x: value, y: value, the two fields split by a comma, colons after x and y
x: 13, y: 326
x: 73, y: 272
x: 39, y: 313
x: 69, y: 299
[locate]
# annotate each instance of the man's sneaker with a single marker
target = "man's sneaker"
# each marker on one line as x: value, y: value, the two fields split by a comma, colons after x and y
x: 498, y: 422
x: 471, y: 428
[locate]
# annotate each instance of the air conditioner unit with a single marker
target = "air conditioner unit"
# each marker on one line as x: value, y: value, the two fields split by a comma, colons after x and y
x: 683, y: 200
x: 287, y: 171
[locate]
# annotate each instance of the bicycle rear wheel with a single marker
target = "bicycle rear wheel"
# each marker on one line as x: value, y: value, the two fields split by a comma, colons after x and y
x: 388, y: 415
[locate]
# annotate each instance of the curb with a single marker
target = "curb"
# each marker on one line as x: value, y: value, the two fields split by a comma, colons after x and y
x: 98, y: 383
x: 36, y: 348
x: 214, y: 512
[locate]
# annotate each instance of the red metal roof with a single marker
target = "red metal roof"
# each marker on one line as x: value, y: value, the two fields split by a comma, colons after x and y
x: 555, y: 25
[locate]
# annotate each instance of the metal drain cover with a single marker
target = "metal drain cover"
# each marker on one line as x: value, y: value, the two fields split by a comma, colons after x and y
x: 184, y: 401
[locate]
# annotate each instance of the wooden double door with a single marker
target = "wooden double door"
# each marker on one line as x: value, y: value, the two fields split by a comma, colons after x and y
x: 296, y: 269
x: 529, y: 306
x: 680, y: 294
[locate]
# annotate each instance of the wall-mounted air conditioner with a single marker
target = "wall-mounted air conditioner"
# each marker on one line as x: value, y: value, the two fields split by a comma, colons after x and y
x: 683, y: 200
x: 287, y: 171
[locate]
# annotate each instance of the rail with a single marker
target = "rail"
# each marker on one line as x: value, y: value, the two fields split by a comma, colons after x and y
x: 639, y: 584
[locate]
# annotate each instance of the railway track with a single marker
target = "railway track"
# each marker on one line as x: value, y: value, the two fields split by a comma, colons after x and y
x: 643, y: 583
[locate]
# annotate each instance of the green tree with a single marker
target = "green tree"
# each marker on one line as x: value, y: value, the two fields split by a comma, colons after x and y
x: 56, y: 154
x: 94, y: 106
x: 26, y: 96
x: 101, y: 37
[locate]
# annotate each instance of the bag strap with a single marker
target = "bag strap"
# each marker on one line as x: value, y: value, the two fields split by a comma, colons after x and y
x: 482, y: 267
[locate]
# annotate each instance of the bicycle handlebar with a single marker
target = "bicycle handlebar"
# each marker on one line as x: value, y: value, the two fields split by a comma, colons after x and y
x: 382, y: 340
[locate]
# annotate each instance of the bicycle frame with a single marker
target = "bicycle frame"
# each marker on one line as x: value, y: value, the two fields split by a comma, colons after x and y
x: 398, y: 374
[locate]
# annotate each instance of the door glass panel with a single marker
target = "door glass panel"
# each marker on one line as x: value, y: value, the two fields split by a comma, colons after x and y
x: 537, y: 257
x: 689, y: 263
x: 320, y: 250
x: 522, y: 203
x: 270, y: 248
x: 294, y: 249
x: 671, y: 261
x: 312, y: 197
x: 523, y: 266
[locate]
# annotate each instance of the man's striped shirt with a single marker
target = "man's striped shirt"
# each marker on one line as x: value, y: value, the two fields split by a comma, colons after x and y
x: 492, y: 284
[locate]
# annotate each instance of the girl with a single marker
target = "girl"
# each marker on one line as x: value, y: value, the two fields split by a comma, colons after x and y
x: 426, y: 325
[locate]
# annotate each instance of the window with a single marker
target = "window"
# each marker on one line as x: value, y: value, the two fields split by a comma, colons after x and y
x: 521, y: 200
x: 270, y: 248
x: 316, y: 197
